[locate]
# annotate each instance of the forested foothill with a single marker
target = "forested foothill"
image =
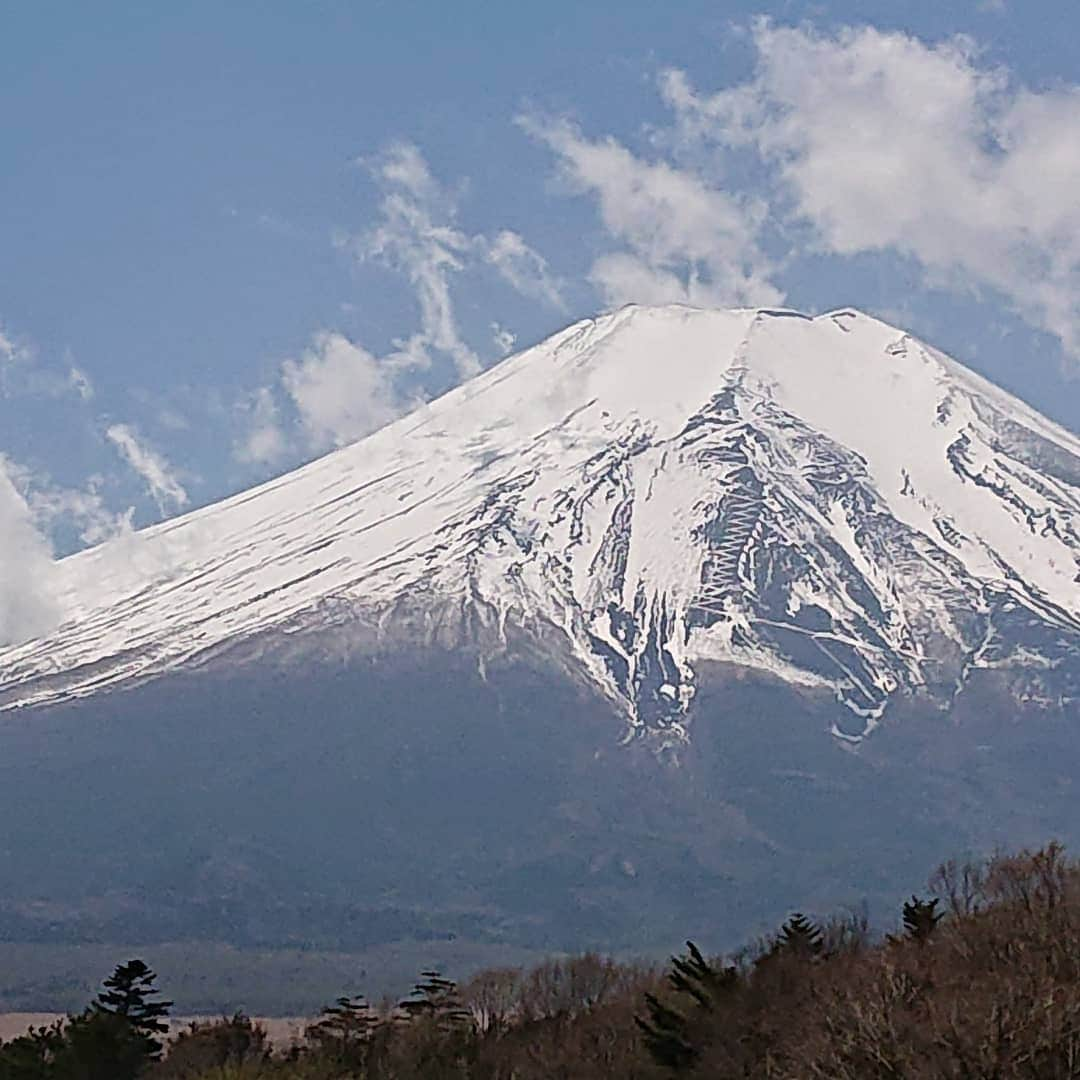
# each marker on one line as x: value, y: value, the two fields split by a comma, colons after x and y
x: 980, y: 978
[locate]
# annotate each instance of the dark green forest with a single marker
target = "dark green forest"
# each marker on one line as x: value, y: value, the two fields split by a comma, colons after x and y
x: 980, y: 978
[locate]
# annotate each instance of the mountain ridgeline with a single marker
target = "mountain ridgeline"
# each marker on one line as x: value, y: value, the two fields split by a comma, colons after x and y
x: 641, y: 632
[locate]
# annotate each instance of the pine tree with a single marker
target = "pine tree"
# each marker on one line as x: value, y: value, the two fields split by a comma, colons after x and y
x: 114, y: 1039
x: 921, y: 918
x: 344, y: 1031
x: 666, y: 1036
x: 127, y: 995
x: 440, y: 1035
x: 800, y: 937
x: 666, y: 1032
x: 435, y: 997
x: 694, y: 975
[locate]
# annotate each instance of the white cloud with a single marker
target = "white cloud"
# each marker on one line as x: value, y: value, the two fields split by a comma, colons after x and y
x: 503, y: 340
x: 881, y: 142
x: 31, y: 507
x: 15, y: 359
x: 341, y: 392
x: 417, y: 237
x: 338, y: 390
x: 161, y: 482
x: 22, y: 372
x: 28, y: 604
x: 624, y: 278
x: 7, y: 348
x: 83, y: 509
x: 403, y: 166
x: 264, y: 442
x: 79, y: 382
x: 684, y: 238
x: 525, y: 269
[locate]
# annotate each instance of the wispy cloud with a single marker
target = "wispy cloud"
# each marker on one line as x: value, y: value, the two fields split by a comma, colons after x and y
x: 503, y: 340
x: 523, y: 267
x: 23, y: 373
x: 83, y: 510
x: 682, y: 237
x: 32, y: 509
x: 338, y: 390
x: 15, y: 358
x: 7, y: 348
x: 417, y: 237
x: 156, y: 473
x: 262, y: 442
x: 79, y: 383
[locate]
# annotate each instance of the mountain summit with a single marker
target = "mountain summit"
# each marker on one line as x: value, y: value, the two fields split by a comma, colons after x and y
x: 826, y: 500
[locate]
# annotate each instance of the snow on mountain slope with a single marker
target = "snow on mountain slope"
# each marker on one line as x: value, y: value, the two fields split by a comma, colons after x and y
x: 826, y: 499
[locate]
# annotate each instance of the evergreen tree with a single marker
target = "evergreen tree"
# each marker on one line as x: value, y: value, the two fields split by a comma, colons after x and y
x: 437, y: 998
x: 666, y: 1034
x: 921, y: 918
x: 666, y: 1031
x: 344, y: 1031
x: 127, y: 993
x: 125, y: 1006
x: 694, y: 975
x: 114, y: 1039
x: 440, y: 1037
x: 800, y: 937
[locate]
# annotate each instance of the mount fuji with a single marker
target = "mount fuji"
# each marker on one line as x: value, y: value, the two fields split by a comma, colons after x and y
x: 641, y: 623
x: 825, y: 499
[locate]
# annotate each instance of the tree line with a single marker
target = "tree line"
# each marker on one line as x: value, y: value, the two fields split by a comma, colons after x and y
x: 981, y: 979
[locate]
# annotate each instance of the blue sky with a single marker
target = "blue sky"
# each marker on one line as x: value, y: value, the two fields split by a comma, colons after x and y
x: 233, y: 236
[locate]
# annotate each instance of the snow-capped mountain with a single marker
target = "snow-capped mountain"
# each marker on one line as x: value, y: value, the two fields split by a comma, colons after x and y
x: 827, y: 500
